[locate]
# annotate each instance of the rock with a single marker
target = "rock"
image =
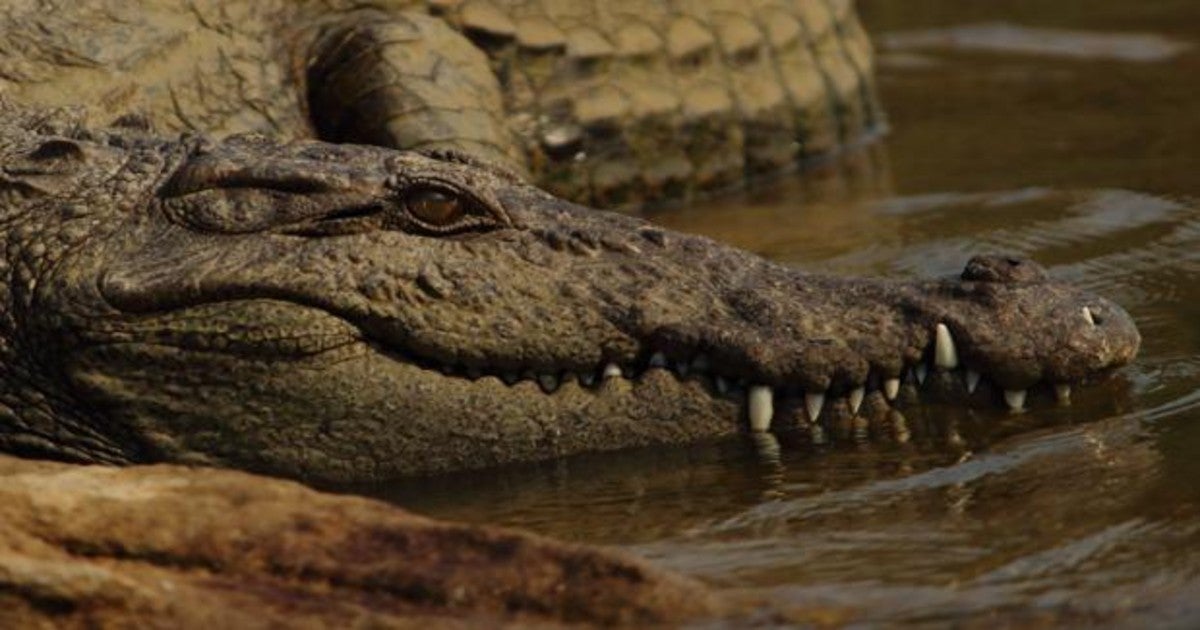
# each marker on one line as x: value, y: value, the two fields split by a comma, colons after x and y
x: 169, y: 546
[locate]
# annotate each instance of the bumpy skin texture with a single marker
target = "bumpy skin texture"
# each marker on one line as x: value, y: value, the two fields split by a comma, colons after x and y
x: 601, y: 101
x: 290, y: 308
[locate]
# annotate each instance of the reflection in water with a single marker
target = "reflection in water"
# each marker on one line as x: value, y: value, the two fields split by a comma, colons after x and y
x: 1002, y: 37
x: 821, y: 214
x: 1080, y: 514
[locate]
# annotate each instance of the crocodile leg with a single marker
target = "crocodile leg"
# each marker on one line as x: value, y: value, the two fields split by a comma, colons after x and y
x: 407, y: 80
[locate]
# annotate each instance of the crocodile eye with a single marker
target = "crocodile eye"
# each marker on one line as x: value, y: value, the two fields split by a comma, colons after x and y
x: 434, y: 207
x: 439, y: 210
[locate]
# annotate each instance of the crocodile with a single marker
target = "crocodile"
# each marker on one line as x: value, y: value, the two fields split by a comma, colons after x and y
x: 605, y: 102
x: 344, y: 313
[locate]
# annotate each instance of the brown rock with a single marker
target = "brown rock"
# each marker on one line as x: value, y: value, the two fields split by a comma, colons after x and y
x: 167, y: 546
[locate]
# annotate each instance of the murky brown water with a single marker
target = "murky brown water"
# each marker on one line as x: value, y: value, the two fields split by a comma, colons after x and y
x: 1077, y: 147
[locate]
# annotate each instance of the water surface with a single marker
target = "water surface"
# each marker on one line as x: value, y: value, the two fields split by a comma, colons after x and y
x: 1062, y: 130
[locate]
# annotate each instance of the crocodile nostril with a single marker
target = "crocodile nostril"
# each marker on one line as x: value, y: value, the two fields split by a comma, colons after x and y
x: 1006, y: 269
x: 1092, y: 316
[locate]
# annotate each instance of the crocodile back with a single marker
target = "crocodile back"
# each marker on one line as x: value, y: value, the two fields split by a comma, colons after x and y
x: 627, y: 100
x: 610, y: 102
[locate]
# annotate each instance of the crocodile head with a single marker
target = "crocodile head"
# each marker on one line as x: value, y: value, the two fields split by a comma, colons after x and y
x: 351, y: 313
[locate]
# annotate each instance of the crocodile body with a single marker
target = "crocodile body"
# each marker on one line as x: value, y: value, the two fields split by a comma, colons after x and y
x: 603, y: 102
x: 352, y: 313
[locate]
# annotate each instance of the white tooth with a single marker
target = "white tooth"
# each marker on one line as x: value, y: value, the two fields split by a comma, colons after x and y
x: 658, y: 360
x: 813, y: 403
x: 1015, y: 399
x: 760, y: 406
x: 921, y: 371
x: 549, y: 382
x: 856, y: 399
x: 972, y: 380
x: 722, y: 385
x: 587, y: 380
x: 1087, y: 314
x: 700, y: 363
x: 891, y: 388
x: 1062, y: 393
x: 945, y: 355
x: 612, y: 370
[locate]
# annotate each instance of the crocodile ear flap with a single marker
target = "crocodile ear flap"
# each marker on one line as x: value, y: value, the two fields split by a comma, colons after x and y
x: 57, y: 150
x: 134, y: 121
x: 38, y: 172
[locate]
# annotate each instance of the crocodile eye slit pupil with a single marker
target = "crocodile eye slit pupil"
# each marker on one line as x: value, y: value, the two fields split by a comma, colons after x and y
x: 435, y: 207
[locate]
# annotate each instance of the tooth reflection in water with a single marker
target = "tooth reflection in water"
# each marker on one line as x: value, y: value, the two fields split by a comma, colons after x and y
x: 666, y: 496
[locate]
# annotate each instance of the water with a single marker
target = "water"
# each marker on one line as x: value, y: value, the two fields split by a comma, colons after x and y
x: 1062, y: 130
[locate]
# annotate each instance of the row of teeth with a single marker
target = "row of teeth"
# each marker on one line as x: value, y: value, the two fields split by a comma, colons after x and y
x: 550, y: 382
x: 760, y: 399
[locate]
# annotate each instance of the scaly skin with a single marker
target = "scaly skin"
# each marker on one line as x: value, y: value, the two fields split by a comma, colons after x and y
x: 283, y: 308
x: 604, y: 102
